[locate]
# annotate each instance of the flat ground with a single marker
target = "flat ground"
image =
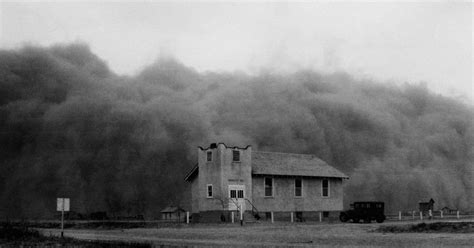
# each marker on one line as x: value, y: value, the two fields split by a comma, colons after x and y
x: 276, y: 235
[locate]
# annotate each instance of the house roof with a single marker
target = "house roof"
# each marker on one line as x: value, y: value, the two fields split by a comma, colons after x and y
x: 448, y: 208
x: 171, y: 209
x: 288, y: 164
x: 427, y: 201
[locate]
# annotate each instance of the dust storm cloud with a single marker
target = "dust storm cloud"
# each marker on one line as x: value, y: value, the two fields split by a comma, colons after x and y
x: 71, y: 127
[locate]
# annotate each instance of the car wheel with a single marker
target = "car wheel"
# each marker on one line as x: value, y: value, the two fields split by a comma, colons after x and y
x: 343, y: 217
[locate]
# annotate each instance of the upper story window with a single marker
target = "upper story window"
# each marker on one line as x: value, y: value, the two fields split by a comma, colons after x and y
x: 209, y: 191
x: 209, y: 156
x: 268, y: 186
x: 298, y: 187
x: 325, y: 188
x: 236, y: 156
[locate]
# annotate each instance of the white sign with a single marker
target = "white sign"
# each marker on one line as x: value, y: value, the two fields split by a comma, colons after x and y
x: 62, y: 204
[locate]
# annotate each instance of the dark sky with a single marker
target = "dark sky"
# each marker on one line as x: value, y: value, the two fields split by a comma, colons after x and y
x: 390, y: 42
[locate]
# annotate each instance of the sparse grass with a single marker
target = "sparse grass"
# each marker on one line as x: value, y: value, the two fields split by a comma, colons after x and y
x: 437, y: 227
x: 282, y: 234
x: 24, y: 236
x: 275, y: 235
x: 95, y: 224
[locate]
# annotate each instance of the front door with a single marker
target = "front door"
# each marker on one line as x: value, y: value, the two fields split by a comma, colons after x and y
x: 236, y: 197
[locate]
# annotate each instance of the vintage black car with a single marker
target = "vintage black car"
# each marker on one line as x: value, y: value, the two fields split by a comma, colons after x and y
x: 366, y: 211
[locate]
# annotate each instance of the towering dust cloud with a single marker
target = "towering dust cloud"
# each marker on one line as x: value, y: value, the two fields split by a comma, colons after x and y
x: 70, y: 127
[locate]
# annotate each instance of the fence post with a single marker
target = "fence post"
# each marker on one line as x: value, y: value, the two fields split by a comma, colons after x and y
x: 399, y: 215
x: 241, y: 215
x: 187, y: 217
x: 421, y: 215
x: 291, y: 217
x: 271, y: 213
x: 320, y: 216
x: 457, y: 214
x: 430, y: 213
x: 441, y: 213
x: 232, y: 216
x: 413, y: 213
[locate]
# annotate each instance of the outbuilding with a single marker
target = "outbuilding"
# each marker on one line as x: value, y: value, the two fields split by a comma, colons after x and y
x: 447, y: 210
x: 425, y: 207
x: 173, y: 213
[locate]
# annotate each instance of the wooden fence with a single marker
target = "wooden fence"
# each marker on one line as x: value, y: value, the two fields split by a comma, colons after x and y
x: 429, y: 215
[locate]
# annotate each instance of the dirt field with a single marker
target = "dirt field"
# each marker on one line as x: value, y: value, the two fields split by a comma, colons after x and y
x: 276, y: 235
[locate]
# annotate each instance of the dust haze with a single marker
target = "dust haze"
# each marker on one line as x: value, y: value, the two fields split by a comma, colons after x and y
x: 71, y: 127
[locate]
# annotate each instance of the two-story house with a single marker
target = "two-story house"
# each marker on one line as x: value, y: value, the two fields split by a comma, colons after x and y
x: 274, y: 185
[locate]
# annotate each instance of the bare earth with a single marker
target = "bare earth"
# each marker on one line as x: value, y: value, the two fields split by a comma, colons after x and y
x: 276, y: 235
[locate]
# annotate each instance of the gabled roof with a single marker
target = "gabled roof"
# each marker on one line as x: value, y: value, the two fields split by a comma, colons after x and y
x: 171, y: 209
x: 427, y: 201
x: 288, y: 164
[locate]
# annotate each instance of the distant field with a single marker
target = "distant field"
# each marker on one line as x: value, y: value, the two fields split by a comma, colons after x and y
x: 277, y: 235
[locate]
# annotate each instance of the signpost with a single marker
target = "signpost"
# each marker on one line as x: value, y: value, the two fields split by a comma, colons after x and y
x: 62, y: 205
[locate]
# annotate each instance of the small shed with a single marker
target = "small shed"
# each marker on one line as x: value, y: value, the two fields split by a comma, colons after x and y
x: 173, y: 213
x: 426, y: 206
x: 448, y: 210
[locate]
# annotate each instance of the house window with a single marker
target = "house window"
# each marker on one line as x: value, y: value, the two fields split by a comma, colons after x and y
x: 209, y: 191
x: 209, y: 156
x: 298, y: 187
x: 325, y: 188
x: 268, y: 186
x: 237, y: 194
x: 325, y: 214
x: 236, y: 156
